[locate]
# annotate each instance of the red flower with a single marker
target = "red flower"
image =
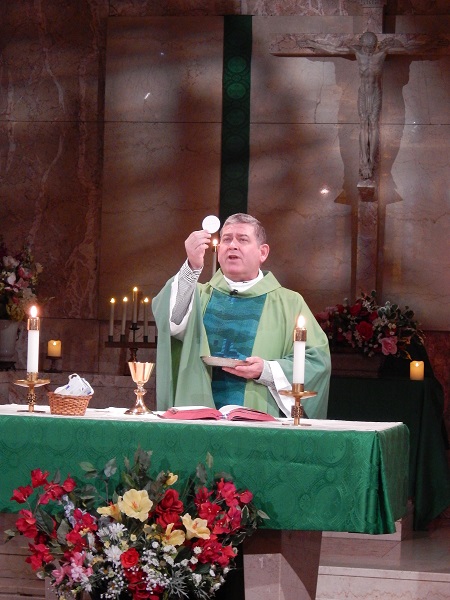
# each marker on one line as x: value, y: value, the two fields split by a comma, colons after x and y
x: 245, y: 497
x: 208, y: 511
x: 76, y: 540
x: 355, y: 310
x: 201, y: 496
x: 169, y: 509
x: 214, y: 552
x: 27, y: 524
x: 235, y: 517
x: 85, y: 520
x: 170, y: 502
x: 365, y: 330
x: 129, y: 558
x: 69, y: 485
x: 227, y: 491
x: 21, y: 494
x: 38, y: 477
x: 40, y: 555
x: 166, y: 518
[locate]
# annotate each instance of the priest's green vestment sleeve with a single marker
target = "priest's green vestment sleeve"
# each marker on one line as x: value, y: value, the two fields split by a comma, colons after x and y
x: 182, y: 378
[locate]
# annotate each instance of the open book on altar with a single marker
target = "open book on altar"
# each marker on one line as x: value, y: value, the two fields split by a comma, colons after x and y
x: 230, y: 412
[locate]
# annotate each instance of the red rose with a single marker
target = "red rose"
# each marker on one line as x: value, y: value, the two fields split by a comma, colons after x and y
x: 130, y: 558
x: 170, y: 503
x: 166, y: 518
x: 355, y: 309
x: 365, y: 330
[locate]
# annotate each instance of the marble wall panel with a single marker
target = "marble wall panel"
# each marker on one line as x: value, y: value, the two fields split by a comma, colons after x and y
x: 50, y: 190
x: 162, y: 181
x: 416, y: 256
x: 162, y: 164
x: 302, y: 205
x: 50, y: 60
x: 314, y: 8
x: 164, y: 70
x: 416, y: 90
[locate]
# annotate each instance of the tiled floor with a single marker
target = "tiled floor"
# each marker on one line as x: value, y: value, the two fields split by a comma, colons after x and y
x: 415, y: 568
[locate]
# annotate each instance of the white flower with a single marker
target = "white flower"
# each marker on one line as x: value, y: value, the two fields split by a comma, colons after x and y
x: 116, y: 530
x: 197, y: 579
x: 113, y: 554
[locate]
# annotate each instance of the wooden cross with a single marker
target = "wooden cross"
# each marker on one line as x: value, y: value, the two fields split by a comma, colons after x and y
x: 370, y: 51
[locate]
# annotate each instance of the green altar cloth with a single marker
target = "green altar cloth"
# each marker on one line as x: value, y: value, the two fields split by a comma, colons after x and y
x: 418, y: 404
x: 305, y: 478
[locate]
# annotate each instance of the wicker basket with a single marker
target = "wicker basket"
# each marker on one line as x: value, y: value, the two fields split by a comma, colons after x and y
x: 61, y: 404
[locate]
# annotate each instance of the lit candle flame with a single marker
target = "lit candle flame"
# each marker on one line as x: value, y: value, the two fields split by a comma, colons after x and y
x: 301, y: 322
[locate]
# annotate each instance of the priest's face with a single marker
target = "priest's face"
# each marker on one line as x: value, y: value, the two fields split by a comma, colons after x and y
x: 239, y: 253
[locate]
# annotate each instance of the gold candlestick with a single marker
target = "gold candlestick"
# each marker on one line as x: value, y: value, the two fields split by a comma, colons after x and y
x: 140, y: 372
x: 298, y: 392
x: 32, y: 381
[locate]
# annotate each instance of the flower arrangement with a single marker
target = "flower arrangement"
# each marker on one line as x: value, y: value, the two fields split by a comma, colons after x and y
x: 370, y: 328
x: 138, y: 538
x: 18, y: 280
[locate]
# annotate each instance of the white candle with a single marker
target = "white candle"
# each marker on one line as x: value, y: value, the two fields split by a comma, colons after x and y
x: 146, y: 301
x: 416, y: 370
x: 299, y: 351
x: 111, y: 317
x: 54, y: 348
x: 214, y: 264
x: 124, y: 315
x: 135, y: 305
x: 33, y: 341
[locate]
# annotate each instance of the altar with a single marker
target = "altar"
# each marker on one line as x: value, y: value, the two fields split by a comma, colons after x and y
x: 321, y: 475
x: 419, y: 405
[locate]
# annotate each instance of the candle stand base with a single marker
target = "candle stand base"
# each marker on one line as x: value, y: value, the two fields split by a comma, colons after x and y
x: 298, y: 392
x: 31, y: 382
x: 53, y: 368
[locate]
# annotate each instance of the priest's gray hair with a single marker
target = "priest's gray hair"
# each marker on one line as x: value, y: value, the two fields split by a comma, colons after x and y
x: 260, y: 232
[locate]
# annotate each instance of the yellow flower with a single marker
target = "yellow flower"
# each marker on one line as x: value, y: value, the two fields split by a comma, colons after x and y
x: 195, y: 528
x: 135, y: 504
x: 171, y: 479
x: 111, y: 511
x: 174, y: 538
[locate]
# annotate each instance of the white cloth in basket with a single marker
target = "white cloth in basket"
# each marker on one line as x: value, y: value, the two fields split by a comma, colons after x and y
x: 77, y: 386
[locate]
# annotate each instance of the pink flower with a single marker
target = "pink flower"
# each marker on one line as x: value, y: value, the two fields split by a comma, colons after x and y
x: 389, y: 345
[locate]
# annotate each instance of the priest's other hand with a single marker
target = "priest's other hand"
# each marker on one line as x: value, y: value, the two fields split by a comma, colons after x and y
x: 196, y: 245
x: 251, y: 370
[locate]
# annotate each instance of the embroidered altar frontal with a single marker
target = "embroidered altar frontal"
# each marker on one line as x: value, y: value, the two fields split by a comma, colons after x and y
x: 330, y: 475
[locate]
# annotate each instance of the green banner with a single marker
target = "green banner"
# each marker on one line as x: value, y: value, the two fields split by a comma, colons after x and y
x: 237, y: 55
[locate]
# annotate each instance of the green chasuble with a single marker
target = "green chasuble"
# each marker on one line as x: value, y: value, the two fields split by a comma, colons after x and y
x: 182, y: 379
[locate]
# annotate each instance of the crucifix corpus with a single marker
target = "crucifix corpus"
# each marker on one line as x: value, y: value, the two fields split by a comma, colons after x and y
x: 370, y: 51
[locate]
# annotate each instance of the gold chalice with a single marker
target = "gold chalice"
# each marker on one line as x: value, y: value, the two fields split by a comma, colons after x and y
x: 140, y: 372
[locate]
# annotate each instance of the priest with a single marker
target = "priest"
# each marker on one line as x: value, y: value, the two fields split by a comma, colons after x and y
x: 242, y: 312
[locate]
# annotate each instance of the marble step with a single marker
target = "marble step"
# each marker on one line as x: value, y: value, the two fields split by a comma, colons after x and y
x: 342, y: 583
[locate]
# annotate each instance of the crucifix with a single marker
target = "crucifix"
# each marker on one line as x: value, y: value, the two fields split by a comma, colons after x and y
x: 370, y: 51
